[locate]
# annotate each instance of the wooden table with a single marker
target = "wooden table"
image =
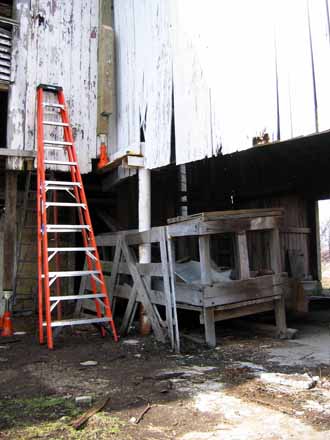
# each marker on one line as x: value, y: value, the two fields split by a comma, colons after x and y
x: 215, y: 301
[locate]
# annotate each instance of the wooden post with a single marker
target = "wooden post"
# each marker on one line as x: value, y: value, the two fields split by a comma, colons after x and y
x: 205, y: 259
x: 209, y: 325
x: 243, y: 256
x: 10, y: 230
x: 275, y: 251
x: 280, y: 317
x: 144, y: 225
x: 2, y: 301
x: 183, y: 243
x: 317, y: 242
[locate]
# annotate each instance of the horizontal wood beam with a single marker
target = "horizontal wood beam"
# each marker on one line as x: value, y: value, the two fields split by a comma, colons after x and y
x: 149, y: 269
x: 7, y: 152
x: 132, y: 237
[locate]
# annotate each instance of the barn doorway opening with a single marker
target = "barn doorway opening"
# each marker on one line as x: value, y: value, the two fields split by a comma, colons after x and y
x: 3, y: 118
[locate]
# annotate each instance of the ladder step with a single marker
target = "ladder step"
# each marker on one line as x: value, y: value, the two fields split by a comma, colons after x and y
x: 79, y: 297
x: 51, y: 142
x: 61, y: 183
x: 59, y: 162
x: 56, y: 124
x: 70, y: 249
x: 66, y: 322
x: 60, y: 188
x: 53, y: 148
x: 72, y: 273
x: 65, y: 204
x: 50, y: 104
x: 66, y: 228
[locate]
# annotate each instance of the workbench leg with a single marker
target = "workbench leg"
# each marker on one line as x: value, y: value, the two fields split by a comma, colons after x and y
x: 205, y: 259
x: 209, y: 325
x: 243, y: 256
x: 280, y: 318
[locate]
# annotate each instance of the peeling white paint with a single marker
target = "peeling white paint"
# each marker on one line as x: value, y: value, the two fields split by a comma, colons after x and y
x: 220, y: 60
x: 56, y: 43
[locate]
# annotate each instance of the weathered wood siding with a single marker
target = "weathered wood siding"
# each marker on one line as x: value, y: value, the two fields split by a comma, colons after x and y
x: 56, y: 43
x: 144, y: 77
x: 236, y: 69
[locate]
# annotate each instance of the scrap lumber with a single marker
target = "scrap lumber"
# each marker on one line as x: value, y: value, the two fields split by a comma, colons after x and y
x: 146, y: 409
x: 80, y: 421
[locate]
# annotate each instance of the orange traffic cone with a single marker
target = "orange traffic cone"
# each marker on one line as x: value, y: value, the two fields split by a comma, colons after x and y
x: 104, y: 159
x: 7, y: 329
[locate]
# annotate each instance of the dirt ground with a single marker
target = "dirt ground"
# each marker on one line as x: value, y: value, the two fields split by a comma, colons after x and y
x: 250, y: 387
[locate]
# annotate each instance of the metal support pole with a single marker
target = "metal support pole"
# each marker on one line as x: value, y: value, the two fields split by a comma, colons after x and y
x: 144, y: 225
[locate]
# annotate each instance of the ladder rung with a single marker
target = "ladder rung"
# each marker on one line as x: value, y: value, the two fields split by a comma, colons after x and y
x: 54, y: 148
x: 61, y: 182
x: 51, y: 142
x: 66, y: 322
x: 56, y: 124
x: 70, y: 249
x: 66, y: 228
x: 72, y: 273
x: 59, y: 162
x: 50, y: 104
x: 80, y: 297
x: 65, y: 204
x: 59, y: 188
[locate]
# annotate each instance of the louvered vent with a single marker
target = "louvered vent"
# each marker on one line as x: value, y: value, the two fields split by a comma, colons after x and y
x: 5, y: 54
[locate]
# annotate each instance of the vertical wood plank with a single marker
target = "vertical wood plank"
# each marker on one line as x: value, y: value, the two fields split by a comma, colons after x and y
x: 275, y: 250
x: 205, y: 259
x: 130, y: 310
x: 114, y: 271
x: 171, y: 256
x: 243, y: 256
x: 317, y: 242
x: 280, y: 317
x: 167, y: 286
x: 209, y: 326
x: 10, y: 229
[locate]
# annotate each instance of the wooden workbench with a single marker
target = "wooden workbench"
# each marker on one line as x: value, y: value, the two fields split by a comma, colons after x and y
x: 215, y: 301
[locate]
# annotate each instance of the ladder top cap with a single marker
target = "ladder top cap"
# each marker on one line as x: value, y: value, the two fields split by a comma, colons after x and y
x: 50, y: 87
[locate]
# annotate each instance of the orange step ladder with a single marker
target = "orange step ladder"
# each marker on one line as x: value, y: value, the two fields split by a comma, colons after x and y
x: 48, y: 206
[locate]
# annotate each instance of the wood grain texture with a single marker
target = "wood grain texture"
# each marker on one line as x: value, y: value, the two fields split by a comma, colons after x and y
x: 144, y: 77
x: 221, y: 101
x: 56, y: 43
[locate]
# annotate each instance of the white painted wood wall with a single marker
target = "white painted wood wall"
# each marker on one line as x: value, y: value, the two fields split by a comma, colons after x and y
x: 218, y: 60
x: 56, y: 43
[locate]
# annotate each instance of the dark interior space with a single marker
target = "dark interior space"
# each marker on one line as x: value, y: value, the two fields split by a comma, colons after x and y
x: 6, y: 8
x: 3, y: 119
